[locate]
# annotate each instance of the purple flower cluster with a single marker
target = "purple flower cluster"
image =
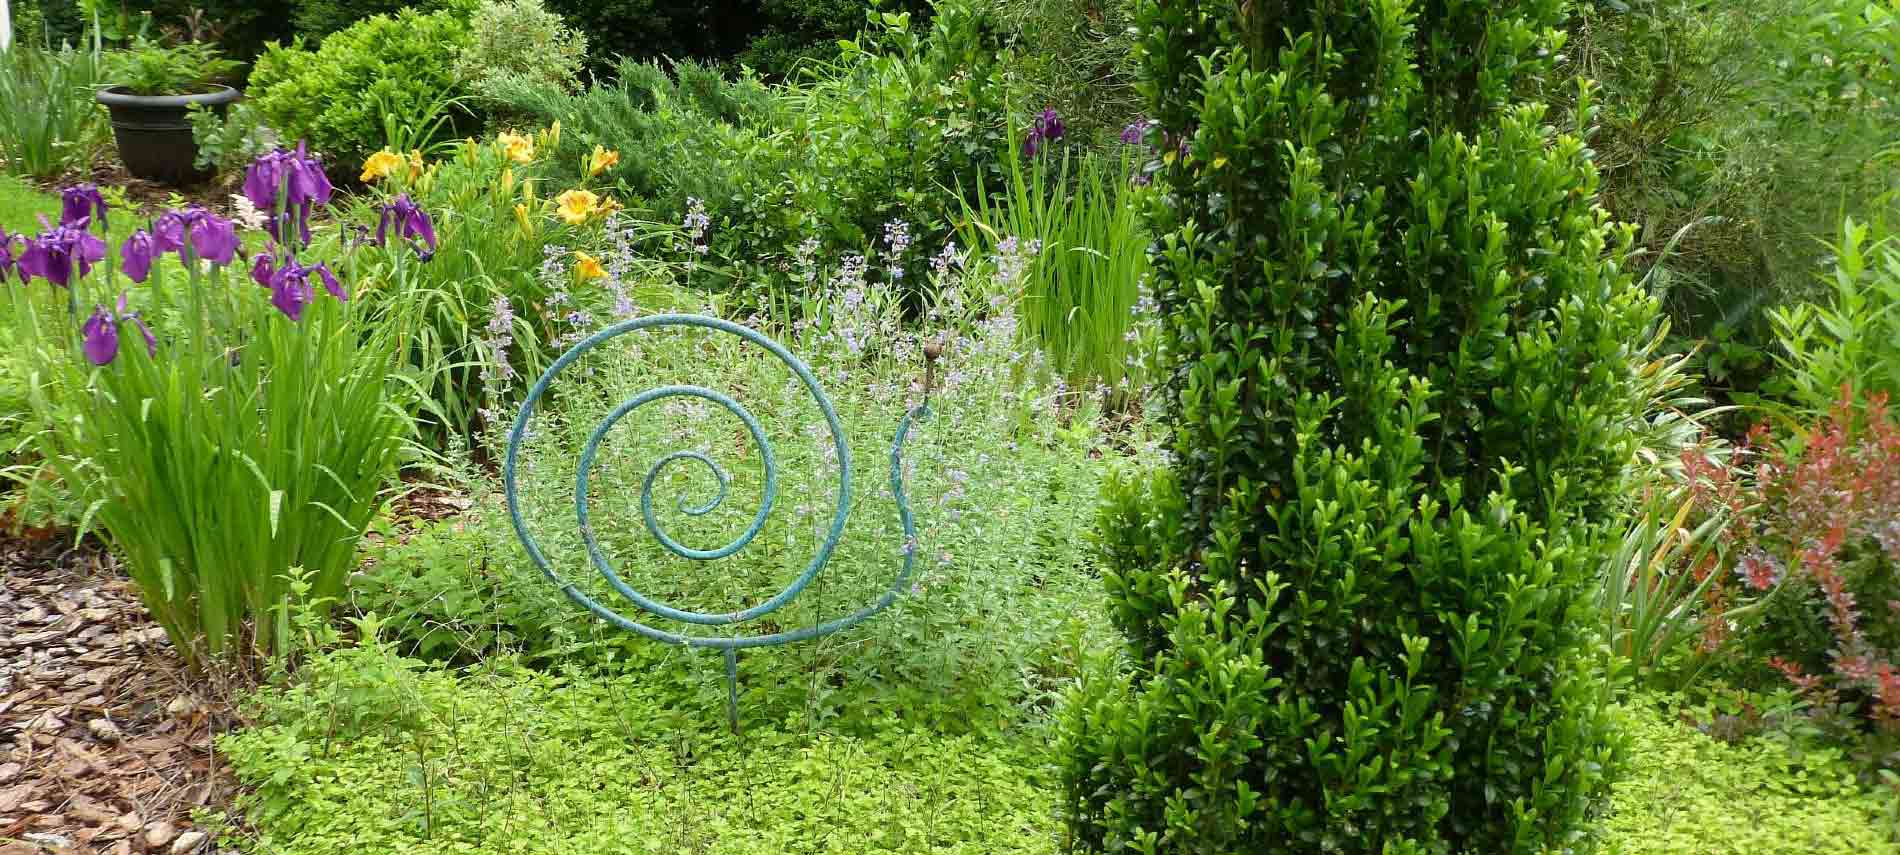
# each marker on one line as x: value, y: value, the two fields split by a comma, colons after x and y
x: 57, y: 252
x: 1047, y: 128
x: 293, y: 178
x: 412, y: 224
x: 289, y: 282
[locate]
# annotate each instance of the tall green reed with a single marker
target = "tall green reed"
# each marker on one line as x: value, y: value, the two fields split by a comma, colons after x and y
x: 1080, y: 293
x: 50, y: 121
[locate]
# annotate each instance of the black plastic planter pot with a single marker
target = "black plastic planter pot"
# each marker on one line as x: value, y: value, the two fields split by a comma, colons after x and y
x: 154, y: 132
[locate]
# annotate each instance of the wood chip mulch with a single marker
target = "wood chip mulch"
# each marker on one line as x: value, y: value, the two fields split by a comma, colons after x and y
x: 105, y: 738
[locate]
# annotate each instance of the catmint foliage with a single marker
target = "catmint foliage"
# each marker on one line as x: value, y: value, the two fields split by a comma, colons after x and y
x: 1396, y: 337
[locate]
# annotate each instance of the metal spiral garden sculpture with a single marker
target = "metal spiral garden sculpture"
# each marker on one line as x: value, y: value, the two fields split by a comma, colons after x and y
x: 729, y: 644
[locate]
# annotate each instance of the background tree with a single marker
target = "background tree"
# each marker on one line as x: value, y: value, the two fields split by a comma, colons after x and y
x: 1400, y: 335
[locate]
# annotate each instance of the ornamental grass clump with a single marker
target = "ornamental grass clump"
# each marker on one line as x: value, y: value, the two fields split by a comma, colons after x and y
x: 1399, y: 382
x: 247, y: 432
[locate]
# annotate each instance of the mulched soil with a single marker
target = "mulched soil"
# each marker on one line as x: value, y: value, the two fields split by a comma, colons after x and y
x: 106, y: 736
x: 107, y: 171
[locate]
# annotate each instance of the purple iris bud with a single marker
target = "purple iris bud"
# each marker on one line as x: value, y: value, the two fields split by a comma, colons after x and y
x: 1031, y: 145
x: 137, y: 254
x: 411, y: 221
x: 308, y: 183
x: 329, y: 282
x: 262, y: 271
x: 51, y: 256
x: 263, y: 177
x: 81, y: 203
x: 151, y: 341
x: 6, y: 253
x: 100, y: 337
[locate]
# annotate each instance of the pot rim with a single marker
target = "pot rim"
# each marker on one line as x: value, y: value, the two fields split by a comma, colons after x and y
x: 112, y: 96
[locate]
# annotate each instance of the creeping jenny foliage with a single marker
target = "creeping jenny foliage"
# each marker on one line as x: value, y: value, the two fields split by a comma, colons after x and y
x: 1400, y: 336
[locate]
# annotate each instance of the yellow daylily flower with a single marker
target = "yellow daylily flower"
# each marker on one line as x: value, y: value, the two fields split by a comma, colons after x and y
x: 588, y: 267
x: 519, y: 149
x: 602, y: 160
x: 381, y: 165
x: 577, y: 205
x: 415, y: 162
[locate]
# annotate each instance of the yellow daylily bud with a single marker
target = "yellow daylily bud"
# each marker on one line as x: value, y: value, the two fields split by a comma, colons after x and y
x: 415, y: 162
x: 507, y: 180
x: 381, y: 165
x: 588, y: 267
x: 522, y: 218
x: 601, y: 160
x: 577, y: 205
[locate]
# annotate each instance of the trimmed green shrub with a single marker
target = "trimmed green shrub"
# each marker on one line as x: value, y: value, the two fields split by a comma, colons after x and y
x: 338, y: 96
x: 316, y: 19
x: 520, y: 39
x: 1401, y: 396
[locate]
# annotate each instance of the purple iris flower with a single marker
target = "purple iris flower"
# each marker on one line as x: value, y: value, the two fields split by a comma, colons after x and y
x: 81, y: 203
x: 299, y: 173
x: 99, y: 337
x: 1047, y: 128
x: 1137, y: 131
x: 290, y: 294
x: 137, y: 254
x: 290, y: 284
x: 51, y: 256
x: 411, y: 221
x: 212, y: 237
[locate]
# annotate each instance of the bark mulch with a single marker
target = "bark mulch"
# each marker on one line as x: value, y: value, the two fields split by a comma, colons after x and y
x: 105, y: 738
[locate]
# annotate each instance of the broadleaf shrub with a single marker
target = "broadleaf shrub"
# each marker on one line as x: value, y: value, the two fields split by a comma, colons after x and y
x: 336, y: 96
x: 1811, y: 547
x: 1401, y: 395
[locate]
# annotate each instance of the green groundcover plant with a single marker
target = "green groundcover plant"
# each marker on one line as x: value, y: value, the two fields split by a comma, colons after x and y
x: 227, y: 433
x: 1401, y: 402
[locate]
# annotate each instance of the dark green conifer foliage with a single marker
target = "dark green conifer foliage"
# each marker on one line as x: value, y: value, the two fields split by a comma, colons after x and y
x: 1358, y: 604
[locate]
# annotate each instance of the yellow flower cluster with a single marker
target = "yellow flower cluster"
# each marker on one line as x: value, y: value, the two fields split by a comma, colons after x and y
x: 601, y: 160
x: 519, y: 149
x: 386, y: 163
x: 588, y: 267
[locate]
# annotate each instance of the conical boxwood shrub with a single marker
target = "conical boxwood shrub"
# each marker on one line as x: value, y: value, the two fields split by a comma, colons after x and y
x: 1358, y: 602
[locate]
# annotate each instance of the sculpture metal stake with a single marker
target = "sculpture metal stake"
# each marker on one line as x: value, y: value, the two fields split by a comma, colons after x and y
x: 730, y: 645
